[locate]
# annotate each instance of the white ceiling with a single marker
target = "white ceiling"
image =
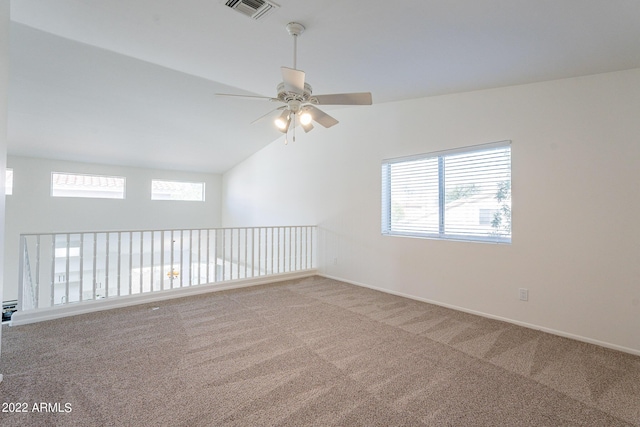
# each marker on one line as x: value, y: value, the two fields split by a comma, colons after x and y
x: 132, y: 82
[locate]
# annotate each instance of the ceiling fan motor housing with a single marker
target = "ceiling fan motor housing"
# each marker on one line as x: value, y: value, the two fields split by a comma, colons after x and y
x: 294, y: 99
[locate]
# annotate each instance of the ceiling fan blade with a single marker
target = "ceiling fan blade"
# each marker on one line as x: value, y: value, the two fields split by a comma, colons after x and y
x: 293, y: 80
x: 321, y: 117
x: 261, y: 98
x: 269, y: 113
x: 307, y: 128
x: 359, y: 98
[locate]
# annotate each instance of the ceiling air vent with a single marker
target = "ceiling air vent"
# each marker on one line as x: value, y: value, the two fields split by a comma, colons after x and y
x: 254, y: 9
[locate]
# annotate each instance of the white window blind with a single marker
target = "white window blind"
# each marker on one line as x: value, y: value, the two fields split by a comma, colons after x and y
x: 460, y: 194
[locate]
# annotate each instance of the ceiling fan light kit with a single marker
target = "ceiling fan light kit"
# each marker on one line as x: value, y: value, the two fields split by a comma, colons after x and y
x: 283, y: 121
x: 305, y: 118
x: 298, y: 99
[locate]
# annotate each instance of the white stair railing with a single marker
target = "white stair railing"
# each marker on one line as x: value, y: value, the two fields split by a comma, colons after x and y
x: 27, y: 298
x: 77, y: 267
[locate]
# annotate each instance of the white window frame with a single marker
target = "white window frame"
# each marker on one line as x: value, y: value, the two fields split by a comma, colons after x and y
x: 178, y: 197
x: 79, y: 192
x: 436, y: 185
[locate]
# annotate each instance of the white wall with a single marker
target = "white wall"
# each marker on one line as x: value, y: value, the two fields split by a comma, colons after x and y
x: 576, y: 203
x: 31, y: 209
x: 4, y: 83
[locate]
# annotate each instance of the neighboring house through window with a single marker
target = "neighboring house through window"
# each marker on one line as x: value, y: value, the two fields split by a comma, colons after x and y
x: 177, y: 190
x: 91, y: 186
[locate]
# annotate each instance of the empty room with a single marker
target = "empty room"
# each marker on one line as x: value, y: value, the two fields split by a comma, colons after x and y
x: 328, y: 213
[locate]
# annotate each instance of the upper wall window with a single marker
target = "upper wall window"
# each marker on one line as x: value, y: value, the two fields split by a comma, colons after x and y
x: 8, y: 183
x: 460, y: 194
x: 177, y: 190
x: 92, y: 186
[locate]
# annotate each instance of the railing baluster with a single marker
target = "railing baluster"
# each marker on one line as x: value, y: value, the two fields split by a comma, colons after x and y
x: 161, y: 260
x: 239, y: 248
x: 253, y: 252
x: 130, y: 263
x: 153, y: 238
x: 22, y: 272
x: 190, y: 257
x: 106, y: 266
x: 199, y: 257
x: 141, y: 261
x: 208, y: 260
x: 119, y: 263
x: 246, y: 251
x: 280, y: 248
x: 259, y: 251
x: 53, y: 270
x: 94, y: 265
x: 171, y: 276
x: 215, y: 255
x: 81, y: 269
x: 303, y: 248
x: 306, y: 248
x: 37, y: 272
x: 281, y: 243
x: 181, y: 272
x: 224, y: 254
x: 309, y: 247
x: 66, y: 267
x: 231, y: 254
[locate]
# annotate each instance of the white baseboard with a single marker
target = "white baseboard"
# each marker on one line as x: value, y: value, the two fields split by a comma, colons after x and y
x: 41, y: 315
x: 491, y: 316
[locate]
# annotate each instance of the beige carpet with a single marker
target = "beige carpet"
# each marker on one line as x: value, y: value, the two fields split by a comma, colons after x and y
x: 309, y: 352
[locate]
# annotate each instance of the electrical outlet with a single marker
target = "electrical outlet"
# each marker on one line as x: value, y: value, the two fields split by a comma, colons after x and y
x: 335, y: 261
x: 524, y: 294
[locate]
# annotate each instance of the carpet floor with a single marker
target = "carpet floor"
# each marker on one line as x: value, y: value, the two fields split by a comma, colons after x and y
x: 312, y: 351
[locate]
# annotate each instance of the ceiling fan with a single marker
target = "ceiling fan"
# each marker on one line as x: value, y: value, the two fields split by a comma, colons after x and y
x: 298, y: 99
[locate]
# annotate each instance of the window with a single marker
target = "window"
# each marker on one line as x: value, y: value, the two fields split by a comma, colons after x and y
x: 175, y: 190
x: 460, y: 194
x: 93, y: 186
x: 8, y: 183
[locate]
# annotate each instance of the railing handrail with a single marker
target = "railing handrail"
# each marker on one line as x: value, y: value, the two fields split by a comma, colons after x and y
x: 50, y: 233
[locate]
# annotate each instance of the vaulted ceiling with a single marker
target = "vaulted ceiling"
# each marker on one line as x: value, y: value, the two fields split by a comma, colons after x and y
x: 133, y: 82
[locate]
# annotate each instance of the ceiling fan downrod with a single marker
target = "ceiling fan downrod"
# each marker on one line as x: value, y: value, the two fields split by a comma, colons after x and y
x: 295, y: 29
